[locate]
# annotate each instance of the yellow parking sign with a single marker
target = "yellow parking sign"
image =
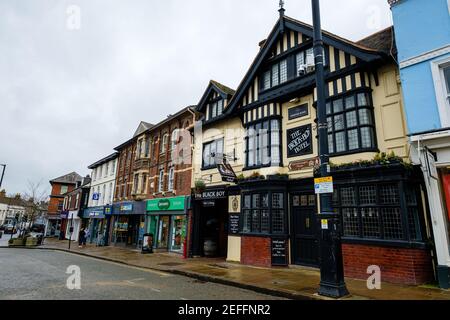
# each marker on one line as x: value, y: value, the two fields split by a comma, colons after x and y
x: 323, y: 185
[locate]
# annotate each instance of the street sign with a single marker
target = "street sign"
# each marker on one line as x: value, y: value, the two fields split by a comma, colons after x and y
x: 323, y: 185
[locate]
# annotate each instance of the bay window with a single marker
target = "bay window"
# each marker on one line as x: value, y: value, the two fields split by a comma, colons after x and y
x: 350, y: 124
x: 379, y: 211
x: 210, y: 151
x: 263, y: 141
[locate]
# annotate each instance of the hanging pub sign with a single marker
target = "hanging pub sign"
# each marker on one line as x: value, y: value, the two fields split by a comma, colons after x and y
x: 227, y: 172
x: 299, y: 141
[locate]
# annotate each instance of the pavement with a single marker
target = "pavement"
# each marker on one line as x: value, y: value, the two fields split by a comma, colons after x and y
x: 50, y: 275
x: 293, y: 282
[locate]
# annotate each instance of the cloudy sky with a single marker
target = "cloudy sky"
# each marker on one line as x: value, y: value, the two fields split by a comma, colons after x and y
x: 73, y: 87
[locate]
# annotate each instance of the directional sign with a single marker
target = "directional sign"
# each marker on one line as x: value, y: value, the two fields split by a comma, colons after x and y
x: 323, y: 185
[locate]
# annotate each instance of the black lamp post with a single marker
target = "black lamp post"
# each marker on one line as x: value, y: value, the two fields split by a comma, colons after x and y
x: 332, y: 282
x: 3, y: 174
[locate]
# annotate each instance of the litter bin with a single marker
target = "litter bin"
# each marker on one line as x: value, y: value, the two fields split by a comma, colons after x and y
x: 147, y: 244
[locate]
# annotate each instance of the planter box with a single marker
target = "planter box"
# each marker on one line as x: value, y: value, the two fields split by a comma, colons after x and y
x: 16, y: 243
x: 31, y: 242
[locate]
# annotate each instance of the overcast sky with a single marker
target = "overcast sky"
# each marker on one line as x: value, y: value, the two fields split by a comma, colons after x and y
x: 70, y: 92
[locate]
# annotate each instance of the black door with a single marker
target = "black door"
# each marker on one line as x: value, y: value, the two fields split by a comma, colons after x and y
x: 305, y: 244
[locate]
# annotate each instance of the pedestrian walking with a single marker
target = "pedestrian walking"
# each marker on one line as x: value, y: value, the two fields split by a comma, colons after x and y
x: 81, y: 238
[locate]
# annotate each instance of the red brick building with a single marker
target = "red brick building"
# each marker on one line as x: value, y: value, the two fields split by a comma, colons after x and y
x: 60, y: 186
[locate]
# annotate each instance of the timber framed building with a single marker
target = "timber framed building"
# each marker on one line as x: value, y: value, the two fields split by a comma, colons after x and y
x: 267, y: 131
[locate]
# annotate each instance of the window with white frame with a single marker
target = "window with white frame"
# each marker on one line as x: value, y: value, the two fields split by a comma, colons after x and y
x: 210, y: 151
x: 171, y: 178
x: 161, y: 181
x: 215, y: 108
x: 441, y: 77
x: 136, y: 183
x: 163, y: 145
x: 263, y: 144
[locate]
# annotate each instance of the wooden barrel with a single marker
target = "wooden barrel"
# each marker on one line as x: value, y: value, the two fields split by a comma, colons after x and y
x: 210, y: 248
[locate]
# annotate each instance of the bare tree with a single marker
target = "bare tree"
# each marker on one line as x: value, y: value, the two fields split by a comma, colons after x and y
x: 35, y: 198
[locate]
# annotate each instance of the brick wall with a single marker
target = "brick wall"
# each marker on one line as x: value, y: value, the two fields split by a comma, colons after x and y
x: 398, y: 265
x: 256, y: 251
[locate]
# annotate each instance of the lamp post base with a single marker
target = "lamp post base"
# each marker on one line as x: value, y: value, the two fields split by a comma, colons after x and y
x: 332, y: 290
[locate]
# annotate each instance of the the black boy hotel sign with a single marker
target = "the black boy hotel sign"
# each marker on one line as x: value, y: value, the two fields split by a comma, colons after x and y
x: 299, y: 141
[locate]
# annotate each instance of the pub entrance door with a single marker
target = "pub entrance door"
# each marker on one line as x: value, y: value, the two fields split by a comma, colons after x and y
x: 305, y: 242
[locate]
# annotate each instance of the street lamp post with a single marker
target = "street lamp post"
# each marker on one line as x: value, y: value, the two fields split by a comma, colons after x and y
x: 332, y: 282
x: 3, y: 174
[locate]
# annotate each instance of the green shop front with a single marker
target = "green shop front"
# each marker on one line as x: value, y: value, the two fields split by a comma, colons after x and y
x: 167, y: 222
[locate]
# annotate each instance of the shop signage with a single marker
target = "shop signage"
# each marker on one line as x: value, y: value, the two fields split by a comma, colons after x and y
x: 323, y: 185
x: 299, y: 141
x: 95, y: 213
x: 166, y: 204
x: 227, y: 172
x: 209, y: 203
x: 234, y: 204
x: 211, y: 195
x: 304, y: 164
x: 126, y: 207
x: 108, y: 210
x: 298, y: 112
x: 96, y: 196
x: 233, y: 224
x: 279, y: 252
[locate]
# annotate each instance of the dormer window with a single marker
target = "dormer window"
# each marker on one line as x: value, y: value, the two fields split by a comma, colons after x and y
x: 215, y: 109
x: 276, y: 75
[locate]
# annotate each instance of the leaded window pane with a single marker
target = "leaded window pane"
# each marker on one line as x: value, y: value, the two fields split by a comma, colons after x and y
x: 348, y: 197
x: 350, y: 222
x: 275, y: 75
x: 265, y: 222
x: 265, y: 200
x: 413, y: 224
x: 353, y: 142
x: 368, y: 195
x: 351, y: 119
x: 214, y: 110
x: 247, y: 202
x: 277, y: 200
x: 350, y: 102
x: 339, y: 122
x: 338, y: 105
x: 367, y: 138
x: 328, y: 107
x: 392, y: 223
x: 283, y: 71
x: 330, y: 124
x: 389, y: 194
x: 278, y: 221
x: 330, y: 144
x: 365, y: 116
x: 363, y: 100
x: 256, y: 221
x: 220, y: 107
x: 370, y: 222
x: 340, y: 141
x: 267, y: 80
x: 246, y: 223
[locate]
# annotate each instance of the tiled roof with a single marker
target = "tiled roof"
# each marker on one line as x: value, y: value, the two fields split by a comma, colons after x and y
x: 71, y: 178
x: 223, y: 88
x: 383, y: 41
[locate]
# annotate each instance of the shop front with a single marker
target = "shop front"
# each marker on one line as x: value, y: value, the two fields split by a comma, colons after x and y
x: 167, y: 222
x: 210, y: 227
x: 95, y: 221
x: 53, y: 226
x: 128, y: 224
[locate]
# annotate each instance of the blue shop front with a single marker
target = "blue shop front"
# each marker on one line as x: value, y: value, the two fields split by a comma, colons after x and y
x: 128, y: 223
x: 97, y: 221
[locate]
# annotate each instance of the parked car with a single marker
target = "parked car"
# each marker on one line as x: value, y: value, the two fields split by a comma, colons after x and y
x: 9, y: 229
